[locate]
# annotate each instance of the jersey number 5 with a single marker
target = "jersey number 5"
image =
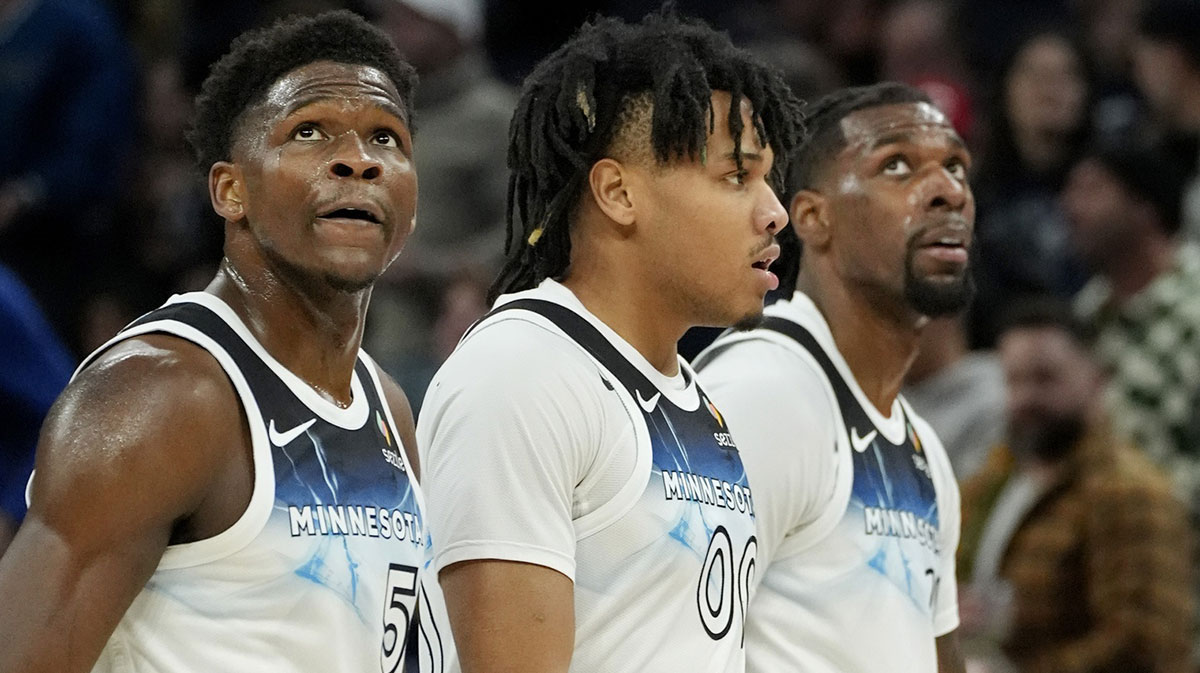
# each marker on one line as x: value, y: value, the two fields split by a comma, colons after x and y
x: 722, y: 581
x: 401, y: 582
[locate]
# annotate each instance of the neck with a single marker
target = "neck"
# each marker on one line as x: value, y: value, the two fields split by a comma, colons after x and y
x: 878, y: 346
x: 943, y: 343
x: 1137, y: 265
x: 620, y: 300
x: 314, y: 335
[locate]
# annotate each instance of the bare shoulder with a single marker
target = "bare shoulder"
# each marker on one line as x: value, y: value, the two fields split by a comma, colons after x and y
x: 397, y: 401
x: 145, y: 427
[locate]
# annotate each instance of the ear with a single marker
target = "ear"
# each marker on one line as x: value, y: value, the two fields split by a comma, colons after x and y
x: 810, y: 216
x: 227, y: 191
x: 610, y: 187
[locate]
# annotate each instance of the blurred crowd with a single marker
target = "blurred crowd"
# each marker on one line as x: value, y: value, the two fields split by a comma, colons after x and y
x: 1084, y: 120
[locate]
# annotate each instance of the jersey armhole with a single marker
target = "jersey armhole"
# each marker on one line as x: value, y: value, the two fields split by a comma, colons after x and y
x: 258, y: 511
x: 630, y: 493
x: 806, y: 536
x: 373, y: 370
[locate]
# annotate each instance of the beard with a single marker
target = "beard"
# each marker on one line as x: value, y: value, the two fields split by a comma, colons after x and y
x: 1048, y: 438
x: 936, y: 298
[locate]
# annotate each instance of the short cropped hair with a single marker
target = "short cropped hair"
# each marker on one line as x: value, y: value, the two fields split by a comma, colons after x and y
x: 1046, y: 311
x: 258, y: 58
x: 823, y: 141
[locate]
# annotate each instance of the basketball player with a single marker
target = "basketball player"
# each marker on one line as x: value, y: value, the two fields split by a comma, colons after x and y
x: 588, y: 507
x: 225, y: 486
x: 857, y: 507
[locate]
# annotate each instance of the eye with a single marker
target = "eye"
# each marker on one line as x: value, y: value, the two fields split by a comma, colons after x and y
x: 737, y: 178
x: 957, y: 168
x: 386, y: 138
x: 896, y: 166
x: 308, y: 133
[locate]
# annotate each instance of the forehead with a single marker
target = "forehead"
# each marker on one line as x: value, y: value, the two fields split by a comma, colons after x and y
x: 871, y: 127
x: 719, y: 131
x: 330, y: 81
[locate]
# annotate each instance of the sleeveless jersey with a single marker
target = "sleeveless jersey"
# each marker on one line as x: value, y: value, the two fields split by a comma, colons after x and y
x: 859, y: 590
x: 320, y: 572
x: 663, y: 569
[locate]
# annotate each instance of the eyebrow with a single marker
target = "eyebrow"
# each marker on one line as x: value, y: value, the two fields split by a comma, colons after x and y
x: 746, y: 156
x: 906, y: 136
x: 303, y: 102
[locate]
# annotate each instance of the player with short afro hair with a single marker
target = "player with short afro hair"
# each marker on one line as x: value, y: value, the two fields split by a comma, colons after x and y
x: 616, y: 88
x: 823, y: 141
x: 257, y: 59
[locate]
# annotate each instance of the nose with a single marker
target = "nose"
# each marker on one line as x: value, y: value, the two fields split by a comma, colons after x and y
x: 351, y: 158
x: 770, y: 215
x: 946, y: 192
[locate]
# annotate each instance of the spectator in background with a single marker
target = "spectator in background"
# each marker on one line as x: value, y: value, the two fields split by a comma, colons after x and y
x: 1039, y: 125
x: 1081, y: 527
x: 34, y: 368
x: 462, y: 114
x: 1167, y: 65
x: 66, y: 77
x: 960, y: 393
x: 1122, y: 201
x: 919, y: 47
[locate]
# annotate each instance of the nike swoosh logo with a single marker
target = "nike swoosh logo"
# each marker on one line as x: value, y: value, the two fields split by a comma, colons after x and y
x: 282, y: 439
x: 648, y: 404
x: 860, y: 444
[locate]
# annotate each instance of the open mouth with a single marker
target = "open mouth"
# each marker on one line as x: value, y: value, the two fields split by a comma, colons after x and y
x: 351, y: 214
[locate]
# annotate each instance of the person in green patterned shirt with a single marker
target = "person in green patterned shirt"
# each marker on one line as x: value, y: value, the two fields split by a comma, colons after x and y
x: 1123, y: 202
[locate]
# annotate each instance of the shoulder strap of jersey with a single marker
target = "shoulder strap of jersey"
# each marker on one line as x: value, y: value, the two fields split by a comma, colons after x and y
x: 587, y: 336
x: 852, y: 411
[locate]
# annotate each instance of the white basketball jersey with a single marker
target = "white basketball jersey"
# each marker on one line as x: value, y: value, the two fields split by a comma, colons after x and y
x: 867, y: 583
x: 320, y: 573
x: 662, y: 569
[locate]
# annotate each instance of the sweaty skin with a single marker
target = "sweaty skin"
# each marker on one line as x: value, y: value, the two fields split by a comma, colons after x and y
x: 149, y: 445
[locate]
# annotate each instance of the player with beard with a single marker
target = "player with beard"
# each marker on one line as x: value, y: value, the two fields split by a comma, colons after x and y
x: 857, y: 505
x: 1075, y: 553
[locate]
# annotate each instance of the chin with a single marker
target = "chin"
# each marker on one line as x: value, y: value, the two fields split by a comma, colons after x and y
x: 749, y: 321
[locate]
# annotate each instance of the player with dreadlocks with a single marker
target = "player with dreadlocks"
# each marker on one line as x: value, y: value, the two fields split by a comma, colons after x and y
x: 588, y: 507
x: 858, y: 507
x: 226, y: 484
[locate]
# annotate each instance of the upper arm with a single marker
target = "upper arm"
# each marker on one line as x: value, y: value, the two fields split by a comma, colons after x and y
x: 783, y: 420
x: 126, y: 453
x: 402, y: 416
x: 949, y: 654
x: 510, y: 617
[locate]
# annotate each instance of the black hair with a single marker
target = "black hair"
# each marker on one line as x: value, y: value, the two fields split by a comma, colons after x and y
x: 258, y: 58
x: 1148, y: 172
x: 822, y: 142
x: 1040, y: 311
x: 1176, y: 22
x: 575, y: 103
x: 1001, y: 161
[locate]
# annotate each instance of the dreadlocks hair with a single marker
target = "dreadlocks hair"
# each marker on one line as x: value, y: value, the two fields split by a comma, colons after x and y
x: 581, y: 102
x: 258, y: 58
x: 822, y: 142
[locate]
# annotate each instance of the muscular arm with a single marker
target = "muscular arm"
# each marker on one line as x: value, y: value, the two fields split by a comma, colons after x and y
x: 127, y: 456
x: 510, y: 617
x: 949, y: 654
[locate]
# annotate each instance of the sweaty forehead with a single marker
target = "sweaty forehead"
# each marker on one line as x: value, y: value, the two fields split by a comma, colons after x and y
x: 328, y: 80
x: 865, y: 129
